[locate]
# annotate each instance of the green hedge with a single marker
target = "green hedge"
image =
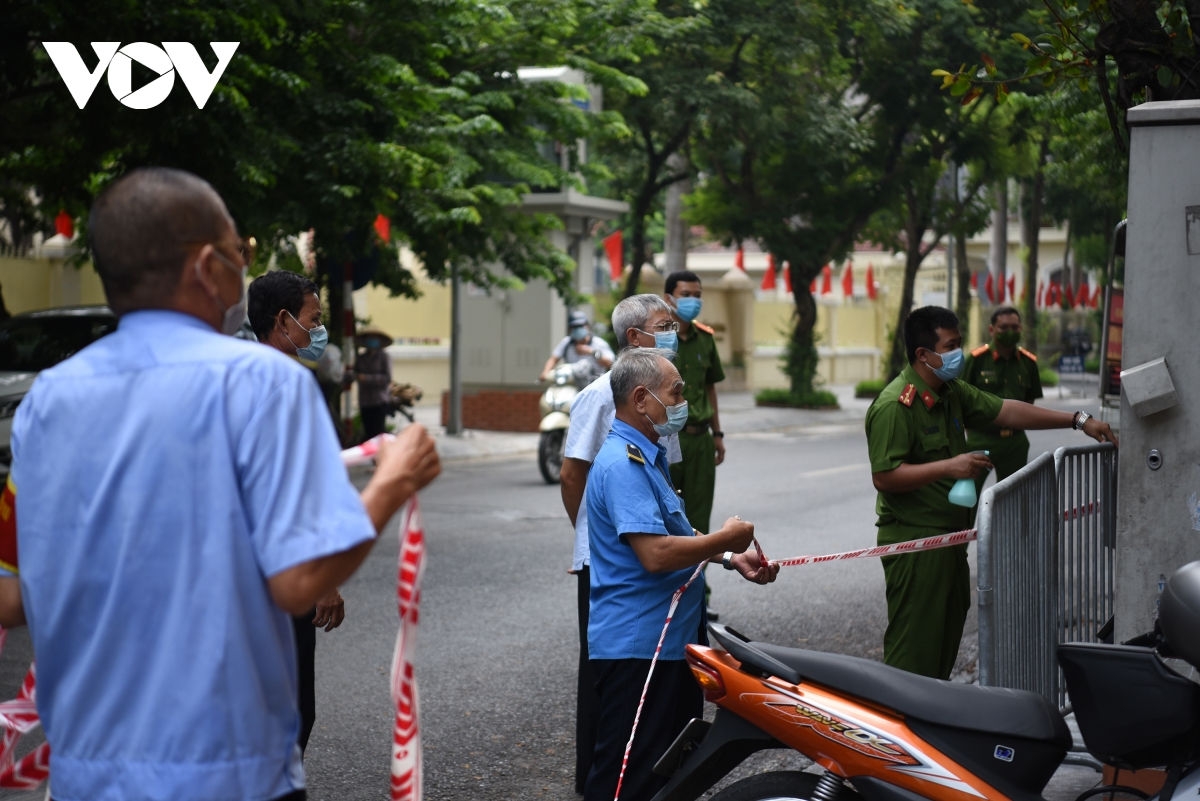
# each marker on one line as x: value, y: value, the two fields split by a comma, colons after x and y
x: 817, y: 399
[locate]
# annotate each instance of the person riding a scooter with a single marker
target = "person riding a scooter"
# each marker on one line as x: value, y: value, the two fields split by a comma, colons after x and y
x: 591, y: 355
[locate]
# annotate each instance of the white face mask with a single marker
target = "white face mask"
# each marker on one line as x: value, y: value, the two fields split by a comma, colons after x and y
x: 233, y: 317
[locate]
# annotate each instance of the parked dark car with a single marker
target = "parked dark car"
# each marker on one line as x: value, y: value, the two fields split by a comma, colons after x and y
x: 31, y: 342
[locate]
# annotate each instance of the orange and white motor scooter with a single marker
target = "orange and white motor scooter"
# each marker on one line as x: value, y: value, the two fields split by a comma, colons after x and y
x: 877, y: 733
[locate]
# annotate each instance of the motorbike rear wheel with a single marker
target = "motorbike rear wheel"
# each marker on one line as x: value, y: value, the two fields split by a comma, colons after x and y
x: 789, y: 785
x: 550, y: 455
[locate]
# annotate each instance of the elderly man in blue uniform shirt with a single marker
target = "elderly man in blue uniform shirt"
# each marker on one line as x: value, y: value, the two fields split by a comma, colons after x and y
x: 163, y: 533
x: 642, y: 550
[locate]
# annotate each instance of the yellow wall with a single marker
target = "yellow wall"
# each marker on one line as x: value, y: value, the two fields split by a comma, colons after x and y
x: 42, y: 283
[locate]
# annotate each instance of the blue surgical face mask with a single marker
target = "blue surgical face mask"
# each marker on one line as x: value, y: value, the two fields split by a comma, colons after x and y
x: 579, y: 334
x: 952, y: 365
x: 318, y: 338
x: 688, y: 309
x: 666, y: 340
x: 677, y: 416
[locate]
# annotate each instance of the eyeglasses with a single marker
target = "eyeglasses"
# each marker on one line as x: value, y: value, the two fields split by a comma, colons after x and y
x: 665, y: 326
x: 244, y: 247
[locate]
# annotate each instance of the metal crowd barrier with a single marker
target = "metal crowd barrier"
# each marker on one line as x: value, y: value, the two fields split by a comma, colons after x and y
x: 1047, y: 537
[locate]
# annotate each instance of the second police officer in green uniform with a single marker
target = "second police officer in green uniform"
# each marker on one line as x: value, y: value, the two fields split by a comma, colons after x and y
x: 917, y: 445
x: 701, y: 441
x: 1003, y: 368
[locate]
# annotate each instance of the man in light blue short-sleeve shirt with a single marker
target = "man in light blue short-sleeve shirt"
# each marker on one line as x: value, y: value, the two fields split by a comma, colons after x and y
x: 178, y: 493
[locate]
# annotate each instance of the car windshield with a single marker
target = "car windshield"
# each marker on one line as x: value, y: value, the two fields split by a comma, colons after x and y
x: 35, y: 343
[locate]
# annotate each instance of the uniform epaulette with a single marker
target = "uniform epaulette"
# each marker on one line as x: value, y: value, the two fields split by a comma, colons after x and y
x: 982, y: 349
x: 634, y: 454
x: 706, y: 329
x: 906, y: 396
x: 1027, y: 354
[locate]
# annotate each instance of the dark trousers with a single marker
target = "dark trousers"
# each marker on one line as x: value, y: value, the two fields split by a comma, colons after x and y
x: 373, y: 420
x: 585, y: 690
x: 306, y: 657
x: 674, y: 699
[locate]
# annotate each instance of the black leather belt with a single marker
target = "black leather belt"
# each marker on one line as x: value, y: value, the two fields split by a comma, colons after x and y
x: 698, y: 428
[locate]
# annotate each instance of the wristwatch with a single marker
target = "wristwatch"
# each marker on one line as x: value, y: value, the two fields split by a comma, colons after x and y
x: 1081, y: 418
x: 727, y: 560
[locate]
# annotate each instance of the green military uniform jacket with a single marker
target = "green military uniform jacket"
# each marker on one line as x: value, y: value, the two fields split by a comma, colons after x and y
x: 1016, y: 377
x: 910, y: 423
x: 699, y: 366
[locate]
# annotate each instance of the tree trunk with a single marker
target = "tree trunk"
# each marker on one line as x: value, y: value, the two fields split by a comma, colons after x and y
x: 677, y: 238
x: 912, y: 263
x: 998, y: 252
x: 962, y: 300
x: 800, y: 361
x: 1031, y: 223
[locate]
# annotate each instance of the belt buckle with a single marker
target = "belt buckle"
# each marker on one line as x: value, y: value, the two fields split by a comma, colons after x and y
x: 1006, y: 432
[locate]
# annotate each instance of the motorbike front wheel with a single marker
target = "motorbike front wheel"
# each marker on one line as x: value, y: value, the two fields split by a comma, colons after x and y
x: 550, y: 454
x: 791, y: 785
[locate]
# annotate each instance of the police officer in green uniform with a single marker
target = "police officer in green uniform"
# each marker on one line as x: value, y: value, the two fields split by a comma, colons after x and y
x: 916, y: 438
x: 1003, y: 368
x: 701, y: 441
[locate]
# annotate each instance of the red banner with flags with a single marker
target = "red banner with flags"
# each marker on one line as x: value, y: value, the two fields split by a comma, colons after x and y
x: 848, y: 279
x: 826, y: 280
x: 614, y: 248
x: 739, y: 259
x: 871, y: 291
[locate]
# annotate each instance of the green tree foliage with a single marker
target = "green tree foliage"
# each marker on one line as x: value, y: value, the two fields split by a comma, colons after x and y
x: 330, y: 113
x: 821, y: 133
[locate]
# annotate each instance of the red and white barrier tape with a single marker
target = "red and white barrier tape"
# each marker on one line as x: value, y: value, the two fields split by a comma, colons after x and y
x: 406, y: 736
x: 912, y: 546
x: 19, y: 717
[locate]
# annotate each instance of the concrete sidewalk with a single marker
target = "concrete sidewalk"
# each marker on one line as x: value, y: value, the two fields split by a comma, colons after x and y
x: 739, y: 415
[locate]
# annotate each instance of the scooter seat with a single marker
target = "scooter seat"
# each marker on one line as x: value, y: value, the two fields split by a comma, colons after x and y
x: 995, y: 710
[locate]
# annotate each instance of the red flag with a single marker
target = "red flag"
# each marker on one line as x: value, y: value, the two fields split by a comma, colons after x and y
x: 989, y: 287
x: 383, y: 227
x: 768, y: 281
x: 1012, y: 287
x: 739, y: 260
x: 63, y: 224
x: 1041, y: 295
x: 975, y: 282
x: 787, y: 277
x: 1096, y: 297
x: 614, y: 248
x: 826, y: 280
x: 848, y: 279
x: 871, y: 293
x: 812, y: 288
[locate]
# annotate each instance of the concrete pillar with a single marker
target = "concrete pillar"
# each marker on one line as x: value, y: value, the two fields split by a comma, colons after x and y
x: 1158, y: 508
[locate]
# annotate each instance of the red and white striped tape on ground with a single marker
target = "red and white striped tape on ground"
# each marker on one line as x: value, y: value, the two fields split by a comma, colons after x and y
x: 912, y: 546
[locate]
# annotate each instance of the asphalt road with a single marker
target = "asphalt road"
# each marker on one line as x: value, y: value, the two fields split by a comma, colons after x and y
x: 497, y: 644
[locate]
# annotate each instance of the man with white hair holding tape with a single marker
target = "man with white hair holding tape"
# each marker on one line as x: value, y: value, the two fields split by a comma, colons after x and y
x: 642, y: 550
